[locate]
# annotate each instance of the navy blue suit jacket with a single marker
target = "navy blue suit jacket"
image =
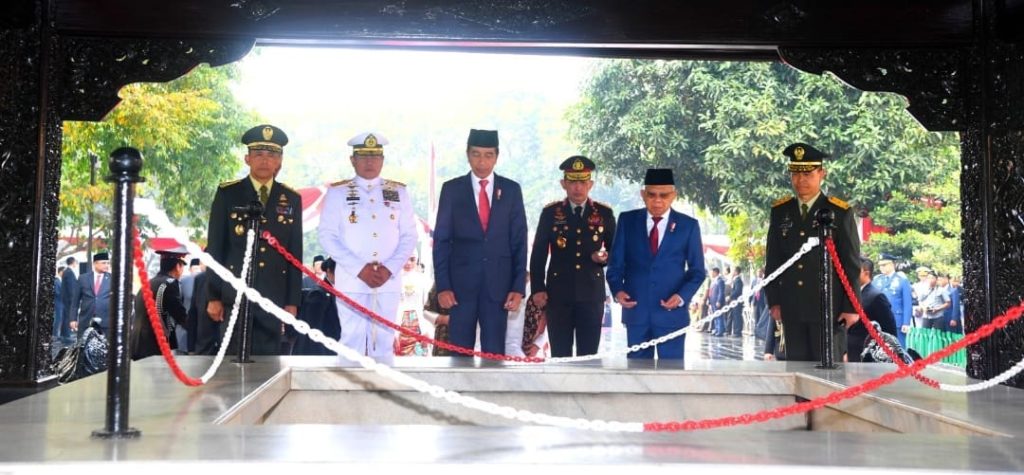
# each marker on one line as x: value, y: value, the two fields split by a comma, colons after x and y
x: 677, y: 268
x: 90, y: 304
x: 466, y: 260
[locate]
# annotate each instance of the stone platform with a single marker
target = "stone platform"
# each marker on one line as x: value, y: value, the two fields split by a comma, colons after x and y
x: 300, y: 410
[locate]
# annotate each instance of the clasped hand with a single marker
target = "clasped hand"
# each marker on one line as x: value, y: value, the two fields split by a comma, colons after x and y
x: 374, y: 275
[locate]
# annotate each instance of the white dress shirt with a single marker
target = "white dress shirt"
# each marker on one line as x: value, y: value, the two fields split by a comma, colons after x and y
x: 662, y: 226
x: 476, y: 189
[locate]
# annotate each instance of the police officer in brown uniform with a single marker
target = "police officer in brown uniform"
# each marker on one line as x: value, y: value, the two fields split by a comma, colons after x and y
x: 794, y: 298
x: 576, y: 233
x: 275, y: 278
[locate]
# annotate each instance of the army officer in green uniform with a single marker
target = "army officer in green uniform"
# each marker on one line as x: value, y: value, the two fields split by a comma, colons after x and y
x: 576, y: 232
x: 275, y: 278
x: 794, y: 298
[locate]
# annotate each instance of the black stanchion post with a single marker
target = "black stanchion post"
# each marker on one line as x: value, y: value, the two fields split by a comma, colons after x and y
x: 254, y: 211
x: 125, y: 165
x: 824, y: 220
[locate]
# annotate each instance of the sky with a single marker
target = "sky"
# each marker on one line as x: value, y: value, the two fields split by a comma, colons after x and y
x: 275, y: 78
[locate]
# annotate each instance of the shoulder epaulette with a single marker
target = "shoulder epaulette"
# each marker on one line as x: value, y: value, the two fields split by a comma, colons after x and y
x: 838, y: 202
x: 602, y: 204
x: 781, y: 201
x: 229, y: 183
x: 393, y: 182
x: 553, y: 203
x: 342, y: 182
x: 288, y: 188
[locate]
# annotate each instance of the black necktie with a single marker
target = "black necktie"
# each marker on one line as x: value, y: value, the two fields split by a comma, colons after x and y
x: 803, y: 210
x: 578, y: 211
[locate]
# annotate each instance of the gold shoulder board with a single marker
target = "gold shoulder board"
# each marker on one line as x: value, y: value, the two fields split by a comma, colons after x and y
x: 393, y: 182
x: 781, y: 201
x: 229, y: 183
x: 342, y: 182
x: 838, y: 202
x: 602, y: 204
x: 553, y: 203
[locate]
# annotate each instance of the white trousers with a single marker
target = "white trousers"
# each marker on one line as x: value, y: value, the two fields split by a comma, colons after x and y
x: 363, y: 334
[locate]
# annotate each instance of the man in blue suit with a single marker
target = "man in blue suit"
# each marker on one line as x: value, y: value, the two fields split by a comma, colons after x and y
x: 480, y: 248
x: 93, y: 298
x: 656, y: 266
x: 716, y: 300
x: 897, y: 290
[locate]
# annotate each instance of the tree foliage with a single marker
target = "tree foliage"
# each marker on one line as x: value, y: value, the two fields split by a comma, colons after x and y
x: 187, y: 131
x: 722, y: 126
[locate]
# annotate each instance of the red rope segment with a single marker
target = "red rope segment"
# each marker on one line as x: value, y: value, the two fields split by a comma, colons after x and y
x: 985, y: 331
x: 265, y: 235
x: 831, y: 246
x: 154, y: 317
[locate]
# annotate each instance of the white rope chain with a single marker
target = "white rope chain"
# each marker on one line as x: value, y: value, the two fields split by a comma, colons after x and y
x: 161, y: 220
x: 804, y: 249
x: 217, y: 360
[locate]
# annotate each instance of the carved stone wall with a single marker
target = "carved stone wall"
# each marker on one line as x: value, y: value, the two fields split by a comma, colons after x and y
x: 29, y: 148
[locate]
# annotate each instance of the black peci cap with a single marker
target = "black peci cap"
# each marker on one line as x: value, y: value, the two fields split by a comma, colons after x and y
x: 659, y: 176
x: 482, y: 138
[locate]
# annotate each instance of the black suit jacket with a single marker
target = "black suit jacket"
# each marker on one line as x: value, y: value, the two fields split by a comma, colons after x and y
x: 876, y: 306
x: 69, y: 295
x: 572, y: 276
x: 275, y: 278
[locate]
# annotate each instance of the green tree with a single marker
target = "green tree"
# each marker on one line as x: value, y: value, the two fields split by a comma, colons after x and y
x: 187, y: 131
x: 722, y: 125
x: 923, y: 220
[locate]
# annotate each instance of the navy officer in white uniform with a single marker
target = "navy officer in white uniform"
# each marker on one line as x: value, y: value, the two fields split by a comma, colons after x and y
x: 368, y: 226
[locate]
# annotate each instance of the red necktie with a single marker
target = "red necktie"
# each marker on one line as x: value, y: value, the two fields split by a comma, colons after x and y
x: 654, y: 234
x: 485, y: 205
x: 96, y: 286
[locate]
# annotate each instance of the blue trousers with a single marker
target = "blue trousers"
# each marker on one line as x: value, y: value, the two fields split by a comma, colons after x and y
x: 471, y: 311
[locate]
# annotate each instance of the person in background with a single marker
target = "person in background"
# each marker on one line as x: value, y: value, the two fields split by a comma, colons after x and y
x: 897, y: 290
x: 167, y: 298
x: 876, y: 307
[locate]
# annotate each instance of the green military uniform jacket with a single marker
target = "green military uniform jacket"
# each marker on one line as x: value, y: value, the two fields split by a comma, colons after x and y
x: 572, y: 276
x: 275, y: 278
x: 798, y: 290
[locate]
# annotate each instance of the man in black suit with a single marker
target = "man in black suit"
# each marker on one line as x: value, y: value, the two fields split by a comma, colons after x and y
x: 68, y: 295
x: 577, y: 233
x: 92, y: 302
x: 876, y: 306
x: 734, y: 324
x: 275, y: 278
x: 480, y: 248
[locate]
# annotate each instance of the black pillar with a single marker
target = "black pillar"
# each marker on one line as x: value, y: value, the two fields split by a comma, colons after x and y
x: 30, y: 142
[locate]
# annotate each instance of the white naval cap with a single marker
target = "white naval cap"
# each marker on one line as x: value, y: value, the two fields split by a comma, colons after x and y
x: 368, y: 143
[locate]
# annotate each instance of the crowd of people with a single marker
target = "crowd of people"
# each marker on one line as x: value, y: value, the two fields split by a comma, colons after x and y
x: 478, y: 294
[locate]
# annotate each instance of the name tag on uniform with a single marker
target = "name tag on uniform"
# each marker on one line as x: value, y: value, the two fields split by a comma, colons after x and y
x: 284, y: 210
x: 391, y: 195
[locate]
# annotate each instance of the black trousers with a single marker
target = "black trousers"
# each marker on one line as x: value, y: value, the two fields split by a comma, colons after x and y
x: 574, y: 320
